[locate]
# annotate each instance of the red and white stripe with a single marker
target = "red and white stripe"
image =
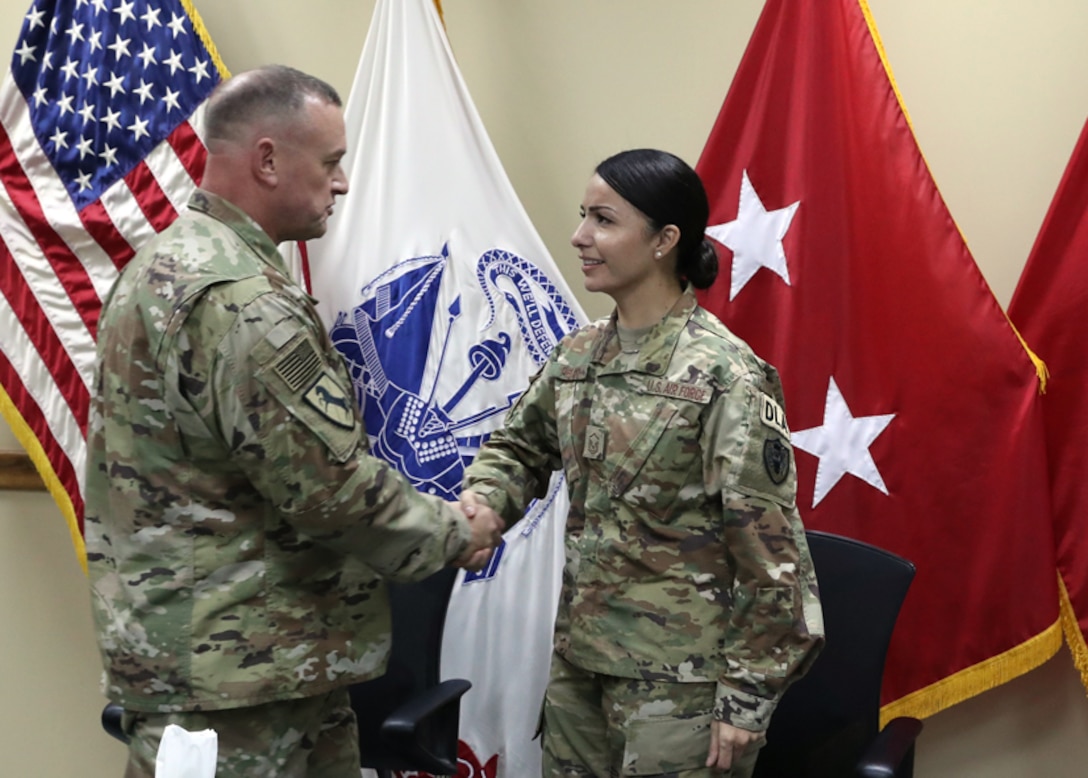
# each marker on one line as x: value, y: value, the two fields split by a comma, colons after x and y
x: 57, y: 266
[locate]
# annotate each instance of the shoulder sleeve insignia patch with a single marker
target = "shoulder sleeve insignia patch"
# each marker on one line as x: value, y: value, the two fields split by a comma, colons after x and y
x: 776, y: 458
x: 772, y: 415
x: 327, y: 398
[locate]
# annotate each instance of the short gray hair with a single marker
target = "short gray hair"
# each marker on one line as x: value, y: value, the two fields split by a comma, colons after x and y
x: 270, y: 91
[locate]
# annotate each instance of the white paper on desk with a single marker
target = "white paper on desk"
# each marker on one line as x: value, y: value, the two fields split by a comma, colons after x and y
x: 184, y: 754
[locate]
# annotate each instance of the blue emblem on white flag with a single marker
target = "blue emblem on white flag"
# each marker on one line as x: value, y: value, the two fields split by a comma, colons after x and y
x: 417, y: 362
x: 444, y: 301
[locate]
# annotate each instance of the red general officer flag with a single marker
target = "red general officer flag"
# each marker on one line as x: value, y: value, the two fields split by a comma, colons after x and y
x: 100, y: 120
x: 1047, y: 307
x: 913, y: 406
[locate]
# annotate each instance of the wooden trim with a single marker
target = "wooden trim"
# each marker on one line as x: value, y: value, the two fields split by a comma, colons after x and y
x: 17, y: 472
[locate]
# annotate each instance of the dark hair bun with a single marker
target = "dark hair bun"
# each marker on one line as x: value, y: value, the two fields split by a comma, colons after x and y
x: 702, y: 268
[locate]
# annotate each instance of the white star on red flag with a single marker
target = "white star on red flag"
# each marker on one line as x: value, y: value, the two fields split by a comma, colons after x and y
x: 755, y: 237
x: 842, y: 445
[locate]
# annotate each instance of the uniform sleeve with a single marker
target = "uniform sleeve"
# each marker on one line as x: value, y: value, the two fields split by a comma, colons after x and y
x: 516, y: 464
x: 285, y: 407
x: 776, y: 626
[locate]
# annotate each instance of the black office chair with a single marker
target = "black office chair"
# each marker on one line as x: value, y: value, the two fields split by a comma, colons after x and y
x: 111, y: 721
x: 408, y: 718
x: 828, y: 723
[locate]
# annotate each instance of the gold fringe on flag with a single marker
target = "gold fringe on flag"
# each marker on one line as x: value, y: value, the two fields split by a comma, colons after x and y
x: 1040, y: 366
x: 978, y: 678
x: 1073, y: 636
x: 52, y: 482
x: 202, y: 32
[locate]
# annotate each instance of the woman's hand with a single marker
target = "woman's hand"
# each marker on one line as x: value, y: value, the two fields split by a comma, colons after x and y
x: 728, y: 743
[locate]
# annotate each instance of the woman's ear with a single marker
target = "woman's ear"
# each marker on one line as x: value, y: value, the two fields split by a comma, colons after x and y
x: 667, y: 238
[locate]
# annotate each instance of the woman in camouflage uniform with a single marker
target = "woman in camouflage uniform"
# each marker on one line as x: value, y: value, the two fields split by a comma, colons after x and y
x: 689, y: 601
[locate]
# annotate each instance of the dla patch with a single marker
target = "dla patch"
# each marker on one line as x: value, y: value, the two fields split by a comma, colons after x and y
x: 772, y: 415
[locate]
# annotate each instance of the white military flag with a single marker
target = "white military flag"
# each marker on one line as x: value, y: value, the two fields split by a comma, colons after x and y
x: 444, y: 301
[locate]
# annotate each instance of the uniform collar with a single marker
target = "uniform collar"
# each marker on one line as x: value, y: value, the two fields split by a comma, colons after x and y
x: 242, y: 224
x: 657, y: 350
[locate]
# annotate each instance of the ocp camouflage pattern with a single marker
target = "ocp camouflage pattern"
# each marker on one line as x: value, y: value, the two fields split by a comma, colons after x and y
x: 238, y: 531
x: 686, y: 556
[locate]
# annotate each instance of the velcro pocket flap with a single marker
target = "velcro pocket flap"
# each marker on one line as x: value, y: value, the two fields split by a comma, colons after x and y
x: 666, y: 744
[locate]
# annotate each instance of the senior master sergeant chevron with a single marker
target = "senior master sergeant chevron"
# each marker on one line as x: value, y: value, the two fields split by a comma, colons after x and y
x: 238, y: 531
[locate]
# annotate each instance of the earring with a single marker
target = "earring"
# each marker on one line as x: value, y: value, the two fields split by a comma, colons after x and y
x: 657, y: 254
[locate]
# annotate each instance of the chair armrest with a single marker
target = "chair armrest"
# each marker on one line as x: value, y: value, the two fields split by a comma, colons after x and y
x: 111, y: 721
x: 423, y: 705
x: 892, y: 746
x: 435, y: 711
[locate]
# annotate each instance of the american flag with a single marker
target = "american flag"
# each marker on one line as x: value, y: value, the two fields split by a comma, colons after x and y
x: 100, y: 146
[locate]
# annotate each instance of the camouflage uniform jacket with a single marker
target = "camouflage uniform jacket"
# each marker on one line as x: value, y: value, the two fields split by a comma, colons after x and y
x: 238, y: 531
x: 686, y: 557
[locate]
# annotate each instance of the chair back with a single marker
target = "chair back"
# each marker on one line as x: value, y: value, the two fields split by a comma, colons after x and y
x: 418, y: 615
x: 827, y: 719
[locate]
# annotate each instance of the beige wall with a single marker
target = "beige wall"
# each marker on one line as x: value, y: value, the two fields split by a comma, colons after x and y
x: 997, y: 94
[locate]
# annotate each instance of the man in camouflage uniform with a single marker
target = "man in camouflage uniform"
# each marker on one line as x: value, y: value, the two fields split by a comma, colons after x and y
x: 686, y: 557
x: 238, y: 531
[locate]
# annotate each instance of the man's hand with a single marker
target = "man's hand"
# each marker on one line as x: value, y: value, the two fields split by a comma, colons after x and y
x: 728, y: 743
x: 487, y: 530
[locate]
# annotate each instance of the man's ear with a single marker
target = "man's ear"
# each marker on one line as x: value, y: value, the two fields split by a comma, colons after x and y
x: 264, y: 162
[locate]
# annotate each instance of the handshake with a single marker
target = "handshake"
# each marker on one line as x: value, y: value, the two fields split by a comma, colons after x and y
x: 487, y: 530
